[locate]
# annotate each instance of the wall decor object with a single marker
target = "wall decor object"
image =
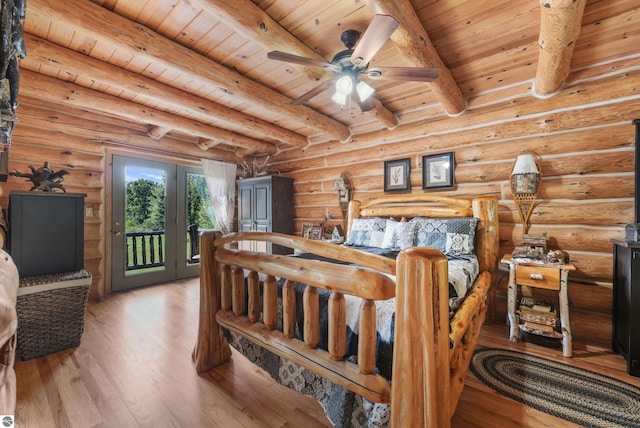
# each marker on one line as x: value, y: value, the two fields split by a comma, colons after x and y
x: 397, y: 175
x: 525, y: 183
x: 438, y: 171
x: 44, y: 178
x: 345, y: 191
x: 13, y: 46
x: 255, y: 169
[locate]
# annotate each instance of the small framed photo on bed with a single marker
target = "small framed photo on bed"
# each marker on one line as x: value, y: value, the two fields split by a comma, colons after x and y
x: 437, y: 171
x: 306, y: 228
x: 316, y: 233
x: 397, y: 175
x: 338, y: 234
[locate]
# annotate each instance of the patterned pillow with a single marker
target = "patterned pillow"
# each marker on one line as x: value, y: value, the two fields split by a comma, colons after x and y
x: 453, y: 236
x: 398, y: 235
x: 367, y: 232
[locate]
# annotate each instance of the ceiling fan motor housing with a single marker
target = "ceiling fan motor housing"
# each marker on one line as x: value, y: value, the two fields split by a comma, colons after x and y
x: 350, y: 38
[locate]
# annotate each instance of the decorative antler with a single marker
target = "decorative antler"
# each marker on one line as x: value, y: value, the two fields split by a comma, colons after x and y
x: 255, y: 170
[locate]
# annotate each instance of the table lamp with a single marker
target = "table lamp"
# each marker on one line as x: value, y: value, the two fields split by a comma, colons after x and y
x: 525, y: 182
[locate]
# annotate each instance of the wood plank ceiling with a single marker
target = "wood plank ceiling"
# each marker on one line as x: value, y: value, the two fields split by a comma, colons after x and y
x: 198, y: 69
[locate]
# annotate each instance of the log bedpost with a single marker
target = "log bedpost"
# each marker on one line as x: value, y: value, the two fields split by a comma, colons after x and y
x: 211, y: 347
x: 354, y: 213
x: 421, y: 369
x: 485, y: 209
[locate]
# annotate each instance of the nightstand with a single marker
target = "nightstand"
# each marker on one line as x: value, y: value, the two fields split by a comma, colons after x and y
x: 549, y: 276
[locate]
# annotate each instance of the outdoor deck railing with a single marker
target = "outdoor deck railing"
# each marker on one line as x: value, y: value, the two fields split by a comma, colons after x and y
x: 145, y: 249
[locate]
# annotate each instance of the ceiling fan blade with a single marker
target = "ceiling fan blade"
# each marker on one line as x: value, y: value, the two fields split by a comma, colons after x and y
x: 376, y: 35
x: 313, y: 92
x: 419, y: 74
x: 301, y: 60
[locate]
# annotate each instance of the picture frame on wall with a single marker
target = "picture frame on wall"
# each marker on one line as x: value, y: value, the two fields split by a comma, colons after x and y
x: 438, y: 171
x: 397, y: 175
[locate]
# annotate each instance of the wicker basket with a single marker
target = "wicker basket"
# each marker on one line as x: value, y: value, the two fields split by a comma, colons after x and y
x: 51, y: 313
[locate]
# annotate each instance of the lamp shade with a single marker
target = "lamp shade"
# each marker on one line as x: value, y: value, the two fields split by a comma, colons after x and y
x: 364, y: 91
x: 339, y: 98
x: 525, y: 164
x: 344, y: 85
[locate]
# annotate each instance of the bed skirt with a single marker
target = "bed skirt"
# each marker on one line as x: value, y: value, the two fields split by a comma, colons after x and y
x: 344, y: 408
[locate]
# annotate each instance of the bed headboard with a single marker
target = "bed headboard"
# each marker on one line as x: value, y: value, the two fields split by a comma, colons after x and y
x: 484, y: 208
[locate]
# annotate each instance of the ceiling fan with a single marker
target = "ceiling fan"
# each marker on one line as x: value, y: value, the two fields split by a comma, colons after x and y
x: 353, y: 62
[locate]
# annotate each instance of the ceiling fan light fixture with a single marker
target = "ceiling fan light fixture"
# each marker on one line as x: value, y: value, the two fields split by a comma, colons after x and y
x: 344, y: 85
x: 364, y: 90
x: 340, y: 98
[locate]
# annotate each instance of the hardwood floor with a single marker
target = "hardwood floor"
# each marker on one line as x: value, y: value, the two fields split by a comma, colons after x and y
x: 134, y: 369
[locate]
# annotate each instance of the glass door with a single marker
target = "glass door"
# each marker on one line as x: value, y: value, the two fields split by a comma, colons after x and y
x: 144, y: 223
x: 159, y: 210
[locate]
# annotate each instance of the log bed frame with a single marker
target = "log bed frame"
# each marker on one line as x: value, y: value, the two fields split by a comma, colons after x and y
x: 431, y: 355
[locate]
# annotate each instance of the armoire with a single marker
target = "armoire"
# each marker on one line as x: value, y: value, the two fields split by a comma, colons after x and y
x: 265, y: 204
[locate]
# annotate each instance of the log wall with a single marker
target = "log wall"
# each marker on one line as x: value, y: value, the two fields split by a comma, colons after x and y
x: 583, y: 134
x: 77, y: 141
x: 585, y: 139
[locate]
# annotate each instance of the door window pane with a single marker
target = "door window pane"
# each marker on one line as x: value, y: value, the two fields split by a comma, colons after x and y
x: 145, y: 202
x: 199, y: 213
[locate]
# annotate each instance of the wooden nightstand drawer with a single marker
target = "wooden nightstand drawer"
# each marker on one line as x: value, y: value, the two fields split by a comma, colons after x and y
x: 540, y: 277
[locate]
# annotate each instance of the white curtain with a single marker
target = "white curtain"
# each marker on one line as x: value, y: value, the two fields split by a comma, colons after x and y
x: 221, y: 182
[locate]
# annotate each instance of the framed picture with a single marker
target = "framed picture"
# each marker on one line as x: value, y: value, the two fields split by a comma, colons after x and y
x: 306, y: 228
x: 315, y: 233
x: 437, y: 171
x: 338, y: 234
x: 397, y: 175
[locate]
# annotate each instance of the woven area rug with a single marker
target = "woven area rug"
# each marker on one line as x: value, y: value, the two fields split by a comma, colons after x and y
x: 573, y: 394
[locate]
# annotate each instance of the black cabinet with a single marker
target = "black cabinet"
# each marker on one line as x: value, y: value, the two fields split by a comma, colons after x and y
x: 626, y: 303
x: 46, y: 232
x: 265, y: 204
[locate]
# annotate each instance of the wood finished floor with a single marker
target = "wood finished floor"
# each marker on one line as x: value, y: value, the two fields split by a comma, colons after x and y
x: 134, y: 369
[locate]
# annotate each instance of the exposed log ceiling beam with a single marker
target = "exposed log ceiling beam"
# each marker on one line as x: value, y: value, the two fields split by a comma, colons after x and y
x: 44, y: 52
x: 248, y: 19
x: 413, y: 41
x: 560, y: 24
x: 157, y: 132
x: 36, y: 85
x: 64, y: 120
x: 101, y: 24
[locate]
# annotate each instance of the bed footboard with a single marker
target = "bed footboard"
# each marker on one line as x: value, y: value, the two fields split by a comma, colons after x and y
x: 431, y: 353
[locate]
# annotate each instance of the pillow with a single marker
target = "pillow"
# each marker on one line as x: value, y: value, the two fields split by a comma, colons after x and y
x: 452, y: 236
x: 367, y: 232
x: 398, y: 235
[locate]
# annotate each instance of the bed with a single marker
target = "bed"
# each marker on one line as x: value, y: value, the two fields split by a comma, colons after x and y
x: 290, y: 305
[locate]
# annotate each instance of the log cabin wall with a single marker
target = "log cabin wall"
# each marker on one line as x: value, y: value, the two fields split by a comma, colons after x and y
x: 181, y: 79
x: 584, y: 136
x: 79, y: 142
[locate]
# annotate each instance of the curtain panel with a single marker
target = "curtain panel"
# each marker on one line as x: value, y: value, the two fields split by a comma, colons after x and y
x: 221, y: 182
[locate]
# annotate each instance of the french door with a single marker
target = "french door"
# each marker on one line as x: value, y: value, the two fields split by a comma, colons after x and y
x: 150, y: 242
